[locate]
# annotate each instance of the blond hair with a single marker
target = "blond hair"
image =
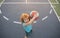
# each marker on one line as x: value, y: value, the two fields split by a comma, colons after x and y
x: 23, y: 16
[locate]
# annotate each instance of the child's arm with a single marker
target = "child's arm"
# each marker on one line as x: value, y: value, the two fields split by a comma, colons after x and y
x: 31, y: 21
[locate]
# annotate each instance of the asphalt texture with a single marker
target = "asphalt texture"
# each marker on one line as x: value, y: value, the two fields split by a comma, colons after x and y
x: 49, y: 28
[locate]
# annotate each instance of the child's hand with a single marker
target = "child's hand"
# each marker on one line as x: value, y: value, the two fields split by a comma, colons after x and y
x: 35, y: 15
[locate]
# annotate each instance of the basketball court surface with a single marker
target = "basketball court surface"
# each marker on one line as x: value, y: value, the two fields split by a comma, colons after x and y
x: 47, y: 26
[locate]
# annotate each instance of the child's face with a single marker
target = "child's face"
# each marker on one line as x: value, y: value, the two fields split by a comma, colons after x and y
x: 26, y: 20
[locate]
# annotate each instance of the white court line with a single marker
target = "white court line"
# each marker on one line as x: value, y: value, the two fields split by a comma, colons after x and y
x: 54, y: 10
x: 50, y: 11
x: 27, y: 3
x: 17, y: 22
x: 59, y: 18
x: 2, y: 3
x: 44, y: 18
x: 57, y: 1
x: 21, y: 22
x: 5, y: 18
x: 0, y: 11
x: 35, y: 22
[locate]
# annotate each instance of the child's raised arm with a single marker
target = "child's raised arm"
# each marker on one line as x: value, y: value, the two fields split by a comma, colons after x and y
x: 31, y: 21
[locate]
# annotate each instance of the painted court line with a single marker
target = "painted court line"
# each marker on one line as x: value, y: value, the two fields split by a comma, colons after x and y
x: 50, y: 11
x: 2, y: 3
x: 44, y: 18
x: 21, y: 22
x: 54, y: 10
x: 0, y: 11
x: 35, y: 22
x: 57, y: 1
x: 17, y: 22
x: 5, y: 18
x: 27, y: 3
x: 59, y: 18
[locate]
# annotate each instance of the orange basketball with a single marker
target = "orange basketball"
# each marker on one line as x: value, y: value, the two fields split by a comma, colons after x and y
x: 34, y: 13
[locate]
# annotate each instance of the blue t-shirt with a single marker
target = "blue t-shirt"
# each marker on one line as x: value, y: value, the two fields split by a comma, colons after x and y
x: 27, y: 28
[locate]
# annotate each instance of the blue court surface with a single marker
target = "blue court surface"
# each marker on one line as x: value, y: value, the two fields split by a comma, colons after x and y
x: 47, y: 26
